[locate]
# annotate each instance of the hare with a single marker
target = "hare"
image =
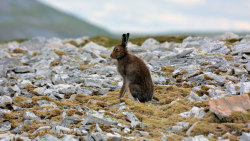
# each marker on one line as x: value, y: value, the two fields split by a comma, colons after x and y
x: 135, y: 74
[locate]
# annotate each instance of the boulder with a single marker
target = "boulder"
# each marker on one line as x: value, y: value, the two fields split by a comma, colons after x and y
x: 5, y: 100
x: 223, y: 107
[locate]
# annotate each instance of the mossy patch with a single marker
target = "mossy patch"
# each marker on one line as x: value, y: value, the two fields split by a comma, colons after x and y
x: 22, y: 102
x: 55, y: 63
x: 30, y: 88
x: 84, y: 66
x: 206, y: 63
x: 238, y: 117
x: 168, y: 69
x: 19, y: 50
x: 109, y: 42
x: 34, y: 53
x: 72, y: 42
x: 208, y: 77
x: 60, y: 53
x: 204, y: 128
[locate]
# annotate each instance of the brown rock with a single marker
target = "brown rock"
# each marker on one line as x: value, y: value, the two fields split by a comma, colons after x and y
x: 223, y: 107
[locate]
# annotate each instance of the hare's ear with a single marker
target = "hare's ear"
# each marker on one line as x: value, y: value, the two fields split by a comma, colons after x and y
x: 124, y: 40
x: 127, y: 38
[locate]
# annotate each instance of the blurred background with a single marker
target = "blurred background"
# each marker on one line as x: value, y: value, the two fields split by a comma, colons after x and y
x: 20, y: 19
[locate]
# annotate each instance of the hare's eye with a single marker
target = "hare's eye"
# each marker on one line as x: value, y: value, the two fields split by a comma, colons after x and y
x: 116, y: 49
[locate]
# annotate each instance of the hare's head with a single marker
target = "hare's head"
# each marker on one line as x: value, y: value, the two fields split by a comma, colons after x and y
x: 120, y: 51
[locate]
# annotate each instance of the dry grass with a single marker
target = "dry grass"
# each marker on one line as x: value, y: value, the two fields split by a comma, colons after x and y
x: 19, y: 50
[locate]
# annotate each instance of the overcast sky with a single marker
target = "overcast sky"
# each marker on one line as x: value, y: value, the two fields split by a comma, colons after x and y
x: 151, y: 16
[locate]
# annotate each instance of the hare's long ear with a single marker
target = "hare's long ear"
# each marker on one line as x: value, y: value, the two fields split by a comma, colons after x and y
x: 127, y: 38
x: 124, y: 39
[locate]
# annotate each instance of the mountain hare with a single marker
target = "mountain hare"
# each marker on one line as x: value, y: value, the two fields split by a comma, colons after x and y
x: 134, y: 72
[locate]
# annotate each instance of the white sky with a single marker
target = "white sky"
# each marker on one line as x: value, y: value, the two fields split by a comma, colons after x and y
x: 154, y: 16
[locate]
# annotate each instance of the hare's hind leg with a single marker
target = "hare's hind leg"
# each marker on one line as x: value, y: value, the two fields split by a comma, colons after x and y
x: 137, y: 92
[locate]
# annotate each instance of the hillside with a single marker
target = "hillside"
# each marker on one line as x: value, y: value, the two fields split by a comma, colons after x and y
x: 52, y: 90
x: 29, y: 18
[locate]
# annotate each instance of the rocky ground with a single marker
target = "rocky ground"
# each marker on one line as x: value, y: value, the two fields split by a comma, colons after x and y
x: 53, y: 89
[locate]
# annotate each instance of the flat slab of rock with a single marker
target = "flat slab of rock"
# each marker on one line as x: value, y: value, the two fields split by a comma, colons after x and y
x: 223, y: 107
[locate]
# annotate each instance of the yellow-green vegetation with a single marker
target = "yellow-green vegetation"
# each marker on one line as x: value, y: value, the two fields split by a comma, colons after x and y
x: 161, y: 39
x: 168, y: 69
x: 22, y: 102
x: 103, y: 41
x: 208, y: 77
x: 15, y: 40
x: 84, y: 66
x: 109, y: 42
x: 157, y: 115
x: 60, y: 53
x: 55, y: 63
x: 228, y: 57
x: 206, y: 63
x: 34, y: 53
x: 30, y: 88
x: 72, y: 42
x: 232, y: 41
x: 19, y: 50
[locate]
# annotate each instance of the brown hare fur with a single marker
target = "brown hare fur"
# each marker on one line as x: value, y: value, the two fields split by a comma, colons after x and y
x: 135, y: 74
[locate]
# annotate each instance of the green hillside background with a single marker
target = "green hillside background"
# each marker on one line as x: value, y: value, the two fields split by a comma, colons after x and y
x: 28, y: 18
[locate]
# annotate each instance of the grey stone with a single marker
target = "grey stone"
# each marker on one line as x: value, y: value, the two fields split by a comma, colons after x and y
x: 195, y: 138
x: 4, y: 100
x: 23, y: 69
x: 60, y: 78
x: 30, y: 116
x: 43, y: 103
x: 158, y: 79
x: 245, y: 136
x: 227, y: 36
x: 230, y: 88
x: 217, y: 78
x: 18, y: 129
x: 95, y: 48
x: 191, y: 128
x: 69, y: 138
x: 216, y: 93
x: 240, y: 71
x: 241, y: 47
x: 179, y: 128
x: 69, y: 121
x: 248, y: 67
x: 183, y: 124
x: 194, y: 112
x: 95, y: 117
x: 213, y: 47
x: 39, y: 90
x: 8, y: 64
x: 150, y: 43
x: 93, y: 82
x: 132, y: 118
x: 194, y: 97
x: 41, y: 129
x: 3, y: 81
x: 5, y: 126
x: 65, y: 88
x: 244, y: 87
x: 126, y: 130
x: 49, y: 137
x: 35, y: 44
x: 6, y: 136
x: 3, y: 111
x: 120, y: 105
x: 61, y: 130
